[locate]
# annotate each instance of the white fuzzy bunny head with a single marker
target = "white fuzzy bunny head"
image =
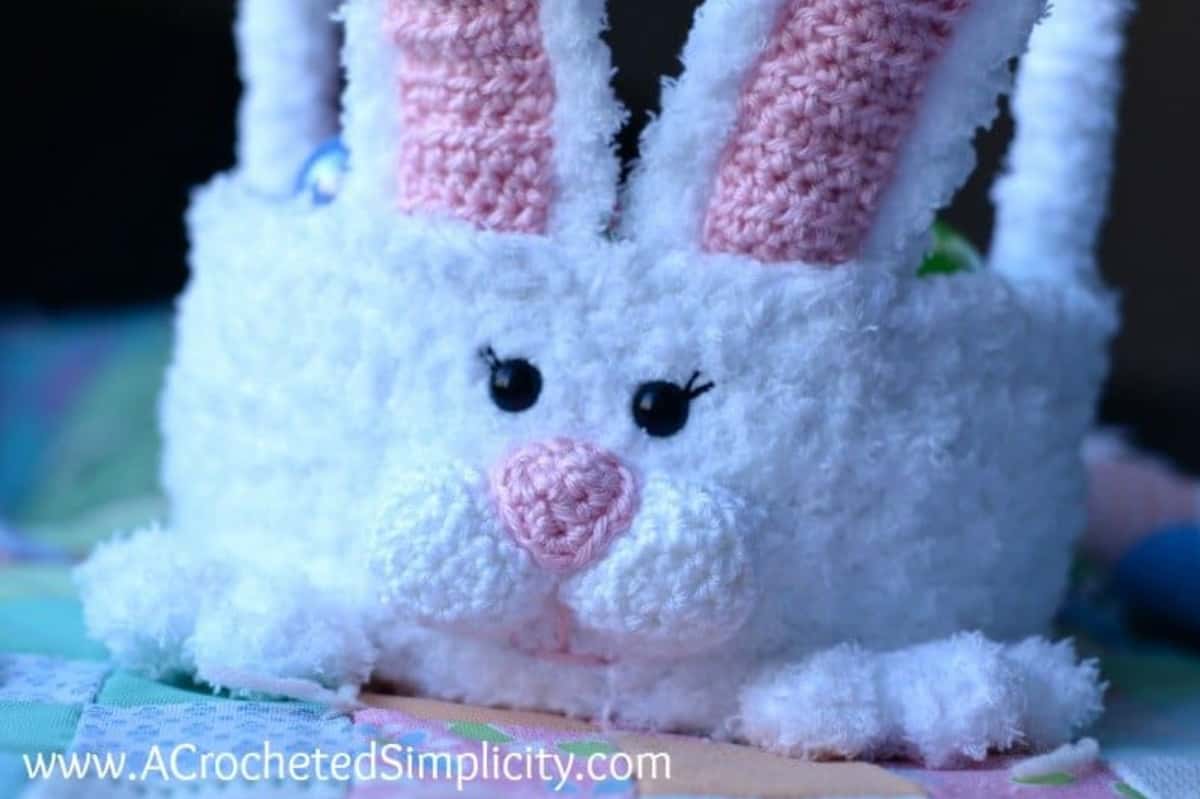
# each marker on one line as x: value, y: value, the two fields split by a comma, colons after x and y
x: 736, y: 408
x: 717, y: 416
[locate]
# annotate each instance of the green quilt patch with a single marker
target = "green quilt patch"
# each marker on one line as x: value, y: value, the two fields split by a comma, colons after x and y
x: 1058, y: 778
x: 51, y: 627
x: 479, y: 732
x: 125, y: 689
x: 28, y: 728
x: 25, y: 581
x: 588, y: 748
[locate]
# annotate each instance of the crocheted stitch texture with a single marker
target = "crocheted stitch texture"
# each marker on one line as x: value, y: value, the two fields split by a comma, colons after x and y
x: 820, y: 126
x: 476, y: 100
x: 564, y: 501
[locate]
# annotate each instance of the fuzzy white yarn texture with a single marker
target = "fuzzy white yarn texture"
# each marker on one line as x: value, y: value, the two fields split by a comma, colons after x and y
x: 852, y: 548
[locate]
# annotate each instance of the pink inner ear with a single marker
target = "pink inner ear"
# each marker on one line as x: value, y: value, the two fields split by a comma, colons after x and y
x: 476, y: 100
x: 821, y: 124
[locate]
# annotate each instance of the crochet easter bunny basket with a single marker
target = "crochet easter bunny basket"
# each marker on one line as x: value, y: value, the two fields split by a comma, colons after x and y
x: 719, y: 462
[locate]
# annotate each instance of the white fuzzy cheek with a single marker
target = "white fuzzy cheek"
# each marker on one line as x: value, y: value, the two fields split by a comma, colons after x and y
x: 440, y: 558
x: 680, y: 581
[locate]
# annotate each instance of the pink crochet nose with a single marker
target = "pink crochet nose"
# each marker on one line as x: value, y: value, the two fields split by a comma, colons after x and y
x: 564, y: 501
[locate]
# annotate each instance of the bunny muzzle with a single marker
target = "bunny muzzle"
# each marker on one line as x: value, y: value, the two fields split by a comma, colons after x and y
x: 565, y: 552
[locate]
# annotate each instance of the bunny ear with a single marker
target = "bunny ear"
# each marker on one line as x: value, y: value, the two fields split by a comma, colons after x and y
x: 496, y: 112
x: 1052, y: 202
x: 288, y: 52
x: 823, y: 131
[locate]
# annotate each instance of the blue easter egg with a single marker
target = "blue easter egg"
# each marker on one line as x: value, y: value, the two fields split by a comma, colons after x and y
x: 1161, y: 575
x: 324, y: 172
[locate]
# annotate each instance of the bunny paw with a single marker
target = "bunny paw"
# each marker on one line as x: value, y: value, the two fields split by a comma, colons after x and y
x: 952, y: 700
x: 268, y: 632
x: 960, y: 698
x: 827, y: 706
x: 140, y: 597
x: 164, y: 603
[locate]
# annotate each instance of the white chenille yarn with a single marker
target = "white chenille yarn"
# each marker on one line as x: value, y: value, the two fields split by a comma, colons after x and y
x: 1047, y: 214
x: 290, y: 67
x: 851, y: 547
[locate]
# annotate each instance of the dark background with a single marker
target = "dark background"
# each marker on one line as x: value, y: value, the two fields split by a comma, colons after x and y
x: 126, y: 104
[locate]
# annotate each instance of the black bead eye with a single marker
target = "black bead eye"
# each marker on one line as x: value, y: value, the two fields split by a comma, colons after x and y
x: 662, y: 409
x: 515, y: 383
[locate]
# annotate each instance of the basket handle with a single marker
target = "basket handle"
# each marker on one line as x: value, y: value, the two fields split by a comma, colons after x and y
x: 289, y: 63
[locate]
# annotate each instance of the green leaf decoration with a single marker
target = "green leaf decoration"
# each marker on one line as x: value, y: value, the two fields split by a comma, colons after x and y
x: 952, y: 253
x: 479, y: 732
x: 1057, y: 778
x: 1128, y: 791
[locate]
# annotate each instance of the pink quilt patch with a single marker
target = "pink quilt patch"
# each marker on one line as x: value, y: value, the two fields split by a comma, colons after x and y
x: 993, y: 781
x: 481, y: 760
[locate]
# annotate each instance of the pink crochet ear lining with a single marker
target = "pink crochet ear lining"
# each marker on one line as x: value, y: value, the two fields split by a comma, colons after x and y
x: 821, y: 124
x: 476, y: 99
